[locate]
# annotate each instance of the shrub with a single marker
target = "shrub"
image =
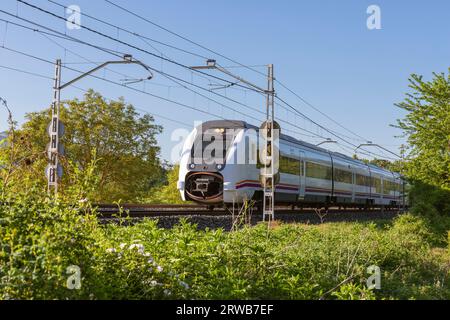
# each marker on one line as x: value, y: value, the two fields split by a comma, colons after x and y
x: 41, y: 237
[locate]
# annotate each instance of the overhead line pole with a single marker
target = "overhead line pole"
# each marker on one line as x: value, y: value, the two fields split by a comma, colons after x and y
x: 269, y: 177
x: 53, y: 168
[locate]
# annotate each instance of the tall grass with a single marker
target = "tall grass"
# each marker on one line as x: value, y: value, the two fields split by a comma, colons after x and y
x: 40, y: 238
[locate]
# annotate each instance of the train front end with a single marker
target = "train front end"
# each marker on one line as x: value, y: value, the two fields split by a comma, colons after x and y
x: 205, y: 166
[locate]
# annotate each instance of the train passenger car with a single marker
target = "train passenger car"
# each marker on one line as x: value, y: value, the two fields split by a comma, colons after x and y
x: 308, y: 174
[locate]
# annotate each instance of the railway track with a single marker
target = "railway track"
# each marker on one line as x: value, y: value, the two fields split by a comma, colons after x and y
x: 141, y: 211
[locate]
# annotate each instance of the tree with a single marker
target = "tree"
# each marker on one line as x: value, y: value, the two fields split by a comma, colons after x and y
x: 167, y: 193
x: 427, y: 128
x: 382, y: 163
x: 112, y: 134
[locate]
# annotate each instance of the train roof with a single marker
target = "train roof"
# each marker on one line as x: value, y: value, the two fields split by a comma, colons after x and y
x: 239, y: 124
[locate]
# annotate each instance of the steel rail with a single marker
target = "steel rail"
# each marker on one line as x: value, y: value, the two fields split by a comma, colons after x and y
x: 108, y: 211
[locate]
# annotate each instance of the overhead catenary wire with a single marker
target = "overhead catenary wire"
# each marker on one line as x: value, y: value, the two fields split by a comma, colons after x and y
x: 143, y: 37
x: 121, y: 7
x: 26, y: 72
x: 241, y: 65
x: 112, y: 52
x: 125, y: 86
x: 182, y: 37
x: 318, y: 110
x: 119, y: 84
x: 86, y: 91
x: 140, y: 49
x: 54, y: 33
x: 322, y: 127
x: 125, y: 43
x: 83, y: 42
x: 75, y: 70
x: 92, y: 62
x: 132, y: 46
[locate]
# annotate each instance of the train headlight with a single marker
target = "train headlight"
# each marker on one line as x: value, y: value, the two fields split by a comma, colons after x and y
x: 219, y: 167
x: 192, y: 166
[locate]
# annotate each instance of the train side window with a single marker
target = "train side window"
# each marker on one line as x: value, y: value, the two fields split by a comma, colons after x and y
x: 289, y: 165
x: 376, y: 183
x: 318, y: 171
x: 342, y: 176
x: 388, y: 186
x: 283, y: 164
x: 362, y: 180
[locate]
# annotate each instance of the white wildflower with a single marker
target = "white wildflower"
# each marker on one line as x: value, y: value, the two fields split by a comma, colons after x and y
x: 139, y: 247
x: 150, y: 261
x: 159, y: 268
x: 167, y: 292
x: 111, y: 250
x: 122, y: 245
x: 152, y: 283
x: 184, y: 284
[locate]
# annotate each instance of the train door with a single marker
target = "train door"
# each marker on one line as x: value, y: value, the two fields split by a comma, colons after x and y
x: 301, y: 175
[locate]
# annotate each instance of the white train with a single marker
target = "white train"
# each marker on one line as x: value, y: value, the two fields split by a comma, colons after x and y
x: 309, y: 175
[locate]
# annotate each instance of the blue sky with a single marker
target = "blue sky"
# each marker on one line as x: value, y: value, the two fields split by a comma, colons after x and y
x: 322, y: 50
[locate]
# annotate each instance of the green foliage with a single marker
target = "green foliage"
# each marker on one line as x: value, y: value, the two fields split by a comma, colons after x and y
x: 427, y: 127
x: 433, y: 205
x: 112, y: 155
x: 123, y: 142
x: 353, y: 292
x: 395, y: 166
x: 167, y: 193
x: 41, y: 237
x: 448, y: 242
x: 429, y: 200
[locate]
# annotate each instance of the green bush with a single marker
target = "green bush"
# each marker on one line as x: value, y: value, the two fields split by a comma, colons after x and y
x: 429, y: 200
x: 41, y: 238
x: 167, y: 193
x: 448, y: 241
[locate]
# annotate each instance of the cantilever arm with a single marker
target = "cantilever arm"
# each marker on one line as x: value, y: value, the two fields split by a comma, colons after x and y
x: 104, y: 65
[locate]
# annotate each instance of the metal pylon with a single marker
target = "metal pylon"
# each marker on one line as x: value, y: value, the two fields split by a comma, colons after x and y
x: 54, y: 132
x: 269, y: 172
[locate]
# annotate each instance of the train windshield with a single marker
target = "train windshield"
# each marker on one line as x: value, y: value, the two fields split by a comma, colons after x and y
x: 212, y: 145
